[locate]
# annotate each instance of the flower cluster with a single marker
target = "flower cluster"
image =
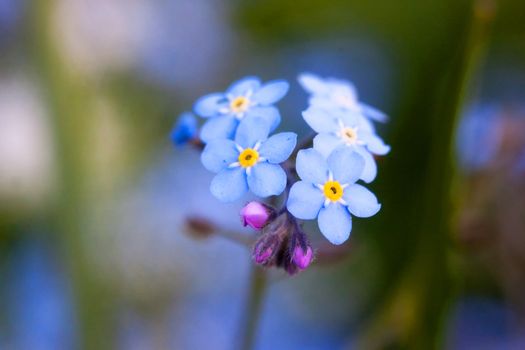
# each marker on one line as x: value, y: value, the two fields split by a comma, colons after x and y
x: 318, y: 183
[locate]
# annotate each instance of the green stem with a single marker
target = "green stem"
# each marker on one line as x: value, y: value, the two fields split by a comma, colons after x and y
x: 256, y: 292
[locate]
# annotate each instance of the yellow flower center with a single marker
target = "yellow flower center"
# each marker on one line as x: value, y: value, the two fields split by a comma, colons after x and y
x: 333, y: 190
x: 239, y: 104
x: 248, y: 158
x: 349, y: 135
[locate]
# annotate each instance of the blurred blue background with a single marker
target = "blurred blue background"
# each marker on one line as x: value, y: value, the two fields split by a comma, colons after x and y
x: 94, y: 252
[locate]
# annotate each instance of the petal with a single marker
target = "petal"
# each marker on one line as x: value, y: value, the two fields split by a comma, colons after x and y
x: 346, y: 164
x: 278, y: 147
x: 322, y: 102
x: 218, y: 154
x: 365, y: 124
x: 252, y: 129
x: 266, y: 180
x: 242, y: 86
x: 221, y: 127
x: 312, y: 83
x: 326, y: 143
x: 335, y: 223
x: 209, y: 105
x: 373, y: 113
x: 320, y: 120
x: 350, y: 118
x: 361, y: 202
x: 304, y: 200
x: 370, y: 170
x: 374, y: 143
x: 343, y: 88
x: 269, y: 113
x: 311, y: 166
x: 229, y: 184
x: 271, y: 92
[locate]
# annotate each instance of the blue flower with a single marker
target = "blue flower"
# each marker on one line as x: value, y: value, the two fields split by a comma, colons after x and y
x: 339, y: 128
x: 340, y: 94
x: 328, y: 192
x: 248, y: 162
x: 185, y: 129
x: 243, y: 99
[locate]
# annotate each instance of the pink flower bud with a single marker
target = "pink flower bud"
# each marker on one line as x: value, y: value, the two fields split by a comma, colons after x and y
x: 256, y: 215
x: 301, y: 258
x: 265, y: 249
x: 262, y: 257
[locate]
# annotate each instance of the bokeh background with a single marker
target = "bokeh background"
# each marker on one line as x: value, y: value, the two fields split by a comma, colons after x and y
x: 94, y: 253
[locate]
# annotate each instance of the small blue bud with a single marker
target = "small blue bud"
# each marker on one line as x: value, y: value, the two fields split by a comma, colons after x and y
x: 185, y: 129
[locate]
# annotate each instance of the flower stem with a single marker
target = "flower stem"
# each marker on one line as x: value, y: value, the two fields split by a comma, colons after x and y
x: 259, y: 279
x: 252, y: 311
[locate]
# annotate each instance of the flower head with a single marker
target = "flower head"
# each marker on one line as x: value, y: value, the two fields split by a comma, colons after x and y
x: 256, y: 214
x: 339, y: 94
x: 251, y: 161
x: 243, y: 99
x: 346, y: 129
x: 185, y: 129
x: 328, y: 192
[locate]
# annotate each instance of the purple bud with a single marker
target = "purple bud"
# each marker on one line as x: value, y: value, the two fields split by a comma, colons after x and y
x: 261, y: 257
x: 256, y: 215
x: 266, y: 248
x: 302, y: 258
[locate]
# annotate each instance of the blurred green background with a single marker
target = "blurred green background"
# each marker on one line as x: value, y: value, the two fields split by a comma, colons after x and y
x: 94, y: 253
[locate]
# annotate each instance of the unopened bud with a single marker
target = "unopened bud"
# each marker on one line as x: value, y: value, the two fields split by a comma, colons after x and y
x: 302, y: 258
x: 300, y: 251
x: 185, y: 130
x: 266, y: 248
x: 256, y: 215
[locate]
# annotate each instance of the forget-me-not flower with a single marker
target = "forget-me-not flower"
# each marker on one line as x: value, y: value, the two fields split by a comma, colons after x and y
x: 337, y: 128
x: 243, y: 99
x: 185, y: 129
x: 328, y: 192
x: 250, y: 161
x: 332, y: 93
